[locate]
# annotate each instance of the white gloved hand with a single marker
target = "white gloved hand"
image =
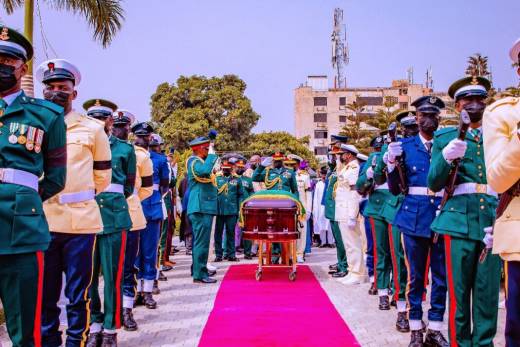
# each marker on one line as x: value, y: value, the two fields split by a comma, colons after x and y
x: 370, y: 173
x: 454, y: 150
x: 352, y: 223
x: 488, y: 238
x: 394, y: 150
x: 211, y: 148
x: 385, y: 158
x: 267, y: 162
x: 178, y: 205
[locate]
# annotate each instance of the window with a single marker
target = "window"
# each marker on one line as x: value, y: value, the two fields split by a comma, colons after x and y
x: 320, y: 117
x: 403, y: 105
x: 342, y: 119
x: 320, y: 101
x: 342, y: 101
x: 370, y: 100
x: 320, y: 134
x: 403, y: 91
x: 320, y: 150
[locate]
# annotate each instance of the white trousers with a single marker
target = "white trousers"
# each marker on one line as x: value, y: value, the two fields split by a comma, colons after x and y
x: 302, y: 241
x: 353, y: 240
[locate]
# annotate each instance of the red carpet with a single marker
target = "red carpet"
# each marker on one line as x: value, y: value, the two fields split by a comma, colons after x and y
x: 274, y: 312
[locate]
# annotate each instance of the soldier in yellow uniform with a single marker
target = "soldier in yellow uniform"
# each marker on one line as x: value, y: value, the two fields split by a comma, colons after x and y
x: 501, y: 125
x: 73, y: 215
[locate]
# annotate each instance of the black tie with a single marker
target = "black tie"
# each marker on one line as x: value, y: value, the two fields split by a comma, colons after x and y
x: 428, y: 145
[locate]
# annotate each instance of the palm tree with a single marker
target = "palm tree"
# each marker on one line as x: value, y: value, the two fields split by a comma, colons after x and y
x: 105, y: 18
x: 477, y: 65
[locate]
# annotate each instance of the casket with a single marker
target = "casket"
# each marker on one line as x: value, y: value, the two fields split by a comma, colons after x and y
x: 270, y: 219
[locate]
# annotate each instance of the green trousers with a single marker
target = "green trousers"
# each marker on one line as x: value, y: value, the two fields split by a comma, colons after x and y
x: 340, y: 247
x: 201, y: 224
x: 400, y: 273
x: 473, y: 289
x: 162, y: 241
x: 228, y: 223
x: 109, y: 257
x: 382, y: 256
x: 21, y: 287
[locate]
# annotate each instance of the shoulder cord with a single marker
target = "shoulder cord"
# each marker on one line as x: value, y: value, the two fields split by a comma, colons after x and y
x: 211, y: 180
x: 268, y: 183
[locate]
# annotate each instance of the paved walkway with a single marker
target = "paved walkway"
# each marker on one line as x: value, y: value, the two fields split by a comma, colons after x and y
x: 184, y: 308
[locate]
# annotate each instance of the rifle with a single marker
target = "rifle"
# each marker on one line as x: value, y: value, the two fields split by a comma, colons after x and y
x: 399, y: 165
x: 452, y: 176
x: 369, y: 187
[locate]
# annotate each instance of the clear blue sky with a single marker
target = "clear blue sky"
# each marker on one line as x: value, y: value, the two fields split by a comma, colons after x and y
x: 274, y: 44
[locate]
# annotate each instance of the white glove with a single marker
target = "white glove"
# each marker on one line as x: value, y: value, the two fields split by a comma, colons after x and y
x: 370, y: 173
x: 394, y: 150
x: 352, y: 223
x: 267, y: 162
x: 211, y: 148
x: 385, y: 158
x: 178, y: 205
x: 488, y: 238
x: 454, y: 150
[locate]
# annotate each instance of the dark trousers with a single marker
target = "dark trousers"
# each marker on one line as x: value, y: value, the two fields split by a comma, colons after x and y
x: 146, y: 260
x: 416, y: 252
x: 69, y: 254
x: 513, y: 304
x: 370, y: 246
x: 21, y: 292
x: 229, y: 223
x: 130, y: 270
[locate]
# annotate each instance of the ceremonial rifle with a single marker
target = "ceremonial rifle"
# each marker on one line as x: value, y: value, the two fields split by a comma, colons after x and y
x: 370, y: 186
x: 399, y: 165
x: 452, y: 176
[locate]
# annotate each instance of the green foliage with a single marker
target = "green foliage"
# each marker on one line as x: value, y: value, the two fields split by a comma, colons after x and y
x: 478, y: 66
x: 196, y: 104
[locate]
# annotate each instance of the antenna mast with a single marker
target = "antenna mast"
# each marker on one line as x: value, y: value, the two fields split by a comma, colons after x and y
x: 340, y: 53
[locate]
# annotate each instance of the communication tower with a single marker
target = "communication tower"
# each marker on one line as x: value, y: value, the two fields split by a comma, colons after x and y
x: 340, y: 54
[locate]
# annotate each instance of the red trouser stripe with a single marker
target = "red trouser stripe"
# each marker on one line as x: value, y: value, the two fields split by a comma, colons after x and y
x: 37, y: 332
x: 394, y: 263
x: 374, y: 248
x: 119, y: 278
x: 426, y: 272
x: 451, y: 292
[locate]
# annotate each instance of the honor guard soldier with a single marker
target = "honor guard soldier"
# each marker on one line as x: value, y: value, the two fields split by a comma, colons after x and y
x: 169, y: 222
x: 463, y: 219
x: 111, y: 242
x: 202, y: 204
x: 229, y: 195
x: 414, y: 219
x: 73, y: 215
x: 248, y: 190
x: 143, y: 189
x: 32, y: 143
x: 501, y: 127
x: 276, y: 177
x: 147, y: 256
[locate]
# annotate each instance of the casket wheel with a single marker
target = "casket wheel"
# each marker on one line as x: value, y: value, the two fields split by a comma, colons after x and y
x: 292, y: 275
x: 258, y: 275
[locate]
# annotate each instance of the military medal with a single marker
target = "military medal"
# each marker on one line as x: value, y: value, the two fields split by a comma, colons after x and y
x: 22, y: 139
x: 13, y: 127
x: 39, y: 140
x: 30, y: 138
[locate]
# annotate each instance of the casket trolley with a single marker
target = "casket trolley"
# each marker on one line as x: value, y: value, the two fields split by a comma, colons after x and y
x: 270, y: 218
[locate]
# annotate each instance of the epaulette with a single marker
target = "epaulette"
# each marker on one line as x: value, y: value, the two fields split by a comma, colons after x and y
x: 43, y: 103
x: 100, y: 122
x: 510, y: 100
x: 444, y: 131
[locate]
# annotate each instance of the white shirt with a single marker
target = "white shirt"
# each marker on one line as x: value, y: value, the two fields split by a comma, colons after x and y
x: 11, y: 97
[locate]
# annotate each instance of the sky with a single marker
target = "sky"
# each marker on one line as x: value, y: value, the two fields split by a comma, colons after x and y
x: 273, y: 45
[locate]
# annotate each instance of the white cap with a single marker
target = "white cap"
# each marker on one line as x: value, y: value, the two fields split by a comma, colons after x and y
x: 58, y: 69
x: 295, y: 157
x: 124, y: 113
x: 515, y: 51
x: 349, y: 148
x: 362, y: 157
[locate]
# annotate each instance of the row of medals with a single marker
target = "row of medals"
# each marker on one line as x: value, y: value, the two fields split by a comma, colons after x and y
x: 33, y: 140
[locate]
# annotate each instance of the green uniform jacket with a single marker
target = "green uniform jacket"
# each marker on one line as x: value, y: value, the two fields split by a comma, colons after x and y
x: 247, y: 184
x: 392, y: 203
x: 377, y: 199
x: 330, y: 202
x: 23, y: 227
x: 466, y: 215
x: 285, y: 179
x: 203, y: 191
x: 230, y: 195
x: 113, y: 206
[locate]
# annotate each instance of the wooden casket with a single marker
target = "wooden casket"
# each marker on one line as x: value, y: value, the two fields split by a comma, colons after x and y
x: 270, y: 219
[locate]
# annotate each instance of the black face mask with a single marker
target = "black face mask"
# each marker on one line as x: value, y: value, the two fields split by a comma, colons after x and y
x: 428, y: 125
x: 226, y: 172
x: 278, y: 164
x: 58, y: 97
x: 240, y: 172
x: 253, y: 166
x: 409, y: 131
x: 7, y: 77
x: 475, y: 110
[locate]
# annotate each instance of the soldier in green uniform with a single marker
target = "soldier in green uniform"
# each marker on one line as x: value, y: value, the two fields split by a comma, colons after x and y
x: 276, y: 177
x: 473, y: 286
x: 202, y: 204
x: 248, y: 190
x: 32, y: 143
x: 229, y: 196
x: 110, y: 247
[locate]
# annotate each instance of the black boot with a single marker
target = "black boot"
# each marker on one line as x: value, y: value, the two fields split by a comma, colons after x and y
x: 384, y: 303
x: 109, y: 340
x: 372, y: 290
x: 434, y: 338
x: 149, y: 302
x: 402, y: 324
x: 416, y: 339
x: 162, y: 277
x: 156, y: 289
x: 94, y: 339
x: 129, y: 324
x: 139, y: 299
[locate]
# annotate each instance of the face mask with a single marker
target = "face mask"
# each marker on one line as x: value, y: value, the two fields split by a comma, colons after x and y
x: 58, y: 97
x: 428, y: 125
x: 278, y: 164
x: 253, y: 166
x: 226, y: 172
x: 7, y: 77
x: 410, y: 131
x: 475, y: 110
x: 240, y: 172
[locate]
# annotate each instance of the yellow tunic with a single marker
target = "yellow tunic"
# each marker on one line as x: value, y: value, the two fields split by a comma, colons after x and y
x: 87, y: 145
x: 502, y: 154
x: 144, y: 169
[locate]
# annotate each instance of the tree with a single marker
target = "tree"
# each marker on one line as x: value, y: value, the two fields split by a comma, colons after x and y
x: 355, y: 127
x: 196, y: 104
x: 103, y: 16
x: 477, y: 65
x: 384, y: 118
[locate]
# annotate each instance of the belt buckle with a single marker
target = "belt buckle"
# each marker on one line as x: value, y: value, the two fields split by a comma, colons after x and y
x: 481, y: 188
x: 430, y: 192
